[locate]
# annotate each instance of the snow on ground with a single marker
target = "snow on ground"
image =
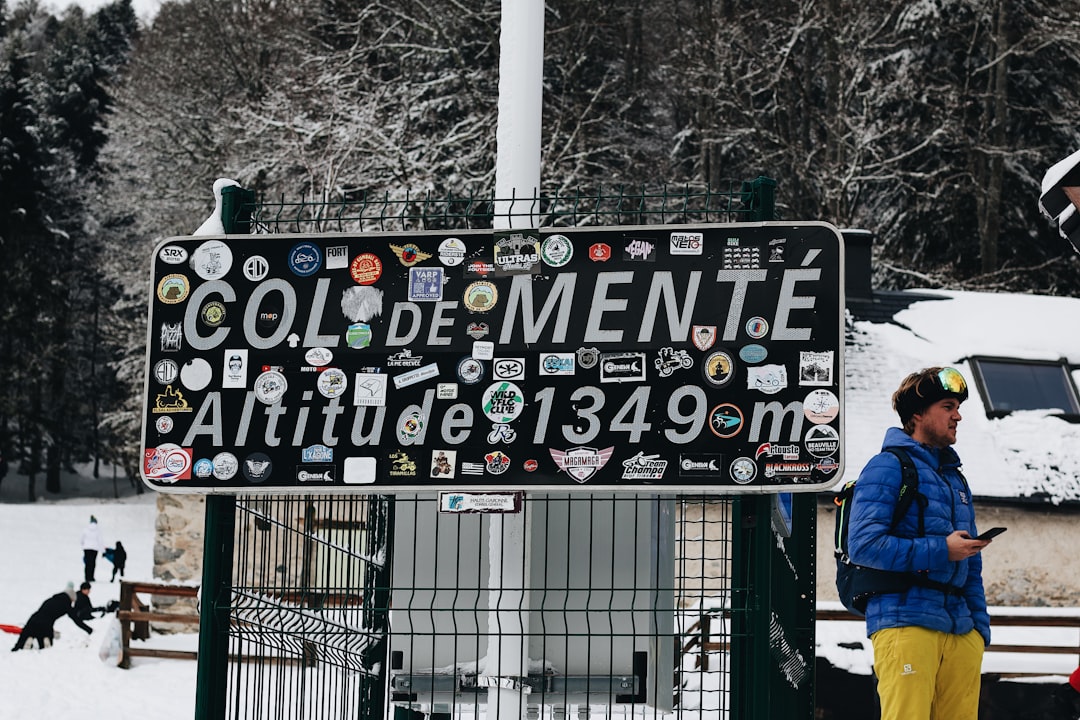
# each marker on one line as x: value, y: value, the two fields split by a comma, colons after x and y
x: 41, y: 555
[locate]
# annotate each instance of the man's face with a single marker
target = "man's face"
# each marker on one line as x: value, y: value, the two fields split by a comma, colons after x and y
x: 936, y: 425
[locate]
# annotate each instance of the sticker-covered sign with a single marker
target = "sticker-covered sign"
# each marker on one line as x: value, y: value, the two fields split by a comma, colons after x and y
x: 697, y: 358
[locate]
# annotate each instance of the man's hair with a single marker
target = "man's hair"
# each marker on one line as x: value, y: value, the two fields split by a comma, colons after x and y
x: 918, y: 391
x: 84, y: 586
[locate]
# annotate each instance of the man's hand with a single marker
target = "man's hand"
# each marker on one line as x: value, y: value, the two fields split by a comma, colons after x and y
x: 962, y: 546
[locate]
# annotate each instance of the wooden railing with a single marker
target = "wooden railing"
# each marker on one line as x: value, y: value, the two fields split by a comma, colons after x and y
x: 699, y: 638
x: 131, y: 611
x: 1003, y: 620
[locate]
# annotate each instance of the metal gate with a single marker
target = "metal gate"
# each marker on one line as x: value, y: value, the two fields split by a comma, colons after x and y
x: 366, y: 606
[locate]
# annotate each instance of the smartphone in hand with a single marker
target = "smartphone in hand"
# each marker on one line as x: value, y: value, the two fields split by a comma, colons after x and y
x: 991, y: 533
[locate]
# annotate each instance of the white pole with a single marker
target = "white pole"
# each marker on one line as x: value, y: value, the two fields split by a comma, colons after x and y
x: 517, y: 134
x: 517, y: 184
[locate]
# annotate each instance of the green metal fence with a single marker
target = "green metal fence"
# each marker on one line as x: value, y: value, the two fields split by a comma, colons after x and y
x: 369, y: 606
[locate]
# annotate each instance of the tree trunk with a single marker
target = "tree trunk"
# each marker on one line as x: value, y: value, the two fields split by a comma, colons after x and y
x: 52, y: 469
x: 990, y: 212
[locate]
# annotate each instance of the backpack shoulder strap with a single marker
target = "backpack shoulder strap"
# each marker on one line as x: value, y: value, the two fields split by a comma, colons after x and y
x: 842, y: 500
x: 909, y: 490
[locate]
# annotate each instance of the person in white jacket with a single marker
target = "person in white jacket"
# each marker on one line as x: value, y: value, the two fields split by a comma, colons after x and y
x: 92, y: 544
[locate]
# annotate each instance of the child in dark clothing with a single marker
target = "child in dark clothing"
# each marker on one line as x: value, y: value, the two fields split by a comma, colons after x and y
x: 118, y: 557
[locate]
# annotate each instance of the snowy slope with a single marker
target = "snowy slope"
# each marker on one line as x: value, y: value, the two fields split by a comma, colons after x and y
x: 42, y: 554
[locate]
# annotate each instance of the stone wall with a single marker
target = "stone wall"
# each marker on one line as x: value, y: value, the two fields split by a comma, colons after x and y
x: 178, y: 546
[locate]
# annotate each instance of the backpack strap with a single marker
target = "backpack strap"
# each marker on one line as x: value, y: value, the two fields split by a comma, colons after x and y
x: 909, y: 491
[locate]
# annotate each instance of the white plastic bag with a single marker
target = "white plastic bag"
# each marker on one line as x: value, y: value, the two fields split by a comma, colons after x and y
x: 111, y: 650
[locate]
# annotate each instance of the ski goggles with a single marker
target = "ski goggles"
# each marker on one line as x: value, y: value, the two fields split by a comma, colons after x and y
x: 950, y: 380
x: 947, y: 382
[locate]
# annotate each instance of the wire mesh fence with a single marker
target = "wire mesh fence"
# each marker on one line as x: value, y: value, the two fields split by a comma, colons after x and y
x: 625, y: 612
x: 308, y: 613
x: 737, y: 201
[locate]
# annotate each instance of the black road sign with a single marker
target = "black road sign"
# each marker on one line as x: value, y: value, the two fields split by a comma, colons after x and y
x: 705, y: 357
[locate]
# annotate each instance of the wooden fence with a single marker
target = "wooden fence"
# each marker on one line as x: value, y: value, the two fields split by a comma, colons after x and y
x: 701, y: 640
x: 132, y: 611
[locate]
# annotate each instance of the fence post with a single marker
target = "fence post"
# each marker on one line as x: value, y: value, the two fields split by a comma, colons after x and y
x: 772, y: 607
x: 762, y: 199
x: 236, y: 206
x: 215, y: 605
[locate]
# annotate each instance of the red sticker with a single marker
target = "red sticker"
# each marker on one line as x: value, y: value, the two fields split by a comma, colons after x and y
x: 600, y: 252
x: 366, y: 268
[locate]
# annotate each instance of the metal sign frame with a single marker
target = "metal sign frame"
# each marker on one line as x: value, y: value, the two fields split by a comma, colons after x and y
x: 638, y: 358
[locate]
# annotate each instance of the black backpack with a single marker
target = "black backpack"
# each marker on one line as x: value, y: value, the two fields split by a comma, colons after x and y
x: 857, y: 584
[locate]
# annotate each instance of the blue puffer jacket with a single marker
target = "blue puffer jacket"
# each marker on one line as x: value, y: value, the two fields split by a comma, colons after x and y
x: 949, y: 508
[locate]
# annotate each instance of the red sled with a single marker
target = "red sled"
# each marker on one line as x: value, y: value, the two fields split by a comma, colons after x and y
x: 13, y: 629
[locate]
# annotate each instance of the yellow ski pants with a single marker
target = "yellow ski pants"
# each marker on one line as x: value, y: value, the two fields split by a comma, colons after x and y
x: 926, y: 674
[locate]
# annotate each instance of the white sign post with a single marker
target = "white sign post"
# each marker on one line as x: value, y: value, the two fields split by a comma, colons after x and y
x: 517, y: 181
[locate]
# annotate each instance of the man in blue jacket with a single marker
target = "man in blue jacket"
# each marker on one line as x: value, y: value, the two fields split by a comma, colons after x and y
x: 928, y: 640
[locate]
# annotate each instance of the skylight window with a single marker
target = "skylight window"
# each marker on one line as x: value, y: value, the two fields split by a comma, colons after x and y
x: 1008, y: 385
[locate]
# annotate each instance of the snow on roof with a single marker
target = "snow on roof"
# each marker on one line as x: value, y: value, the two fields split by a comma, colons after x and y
x: 1025, y: 454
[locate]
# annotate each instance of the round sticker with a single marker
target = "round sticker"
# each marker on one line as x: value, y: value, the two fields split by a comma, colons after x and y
x: 743, y: 470
x: 366, y: 268
x: 719, y: 368
x: 212, y: 313
x: 318, y: 356
x: 270, y: 386
x: 196, y: 374
x: 821, y: 406
x: 481, y: 296
x: 305, y: 259
x: 211, y: 260
x: 256, y: 268
x: 556, y: 250
x: 164, y: 424
x: 821, y: 441
x: 411, y: 426
x: 470, y: 370
x: 177, y: 461
x: 225, y: 466
x: 725, y: 420
x: 203, y: 468
x: 173, y: 289
x: 757, y: 327
x: 332, y: 382
x: 451, y: 252
x: 257, y: 467
x: 503, y: 402
x: 166, y: 371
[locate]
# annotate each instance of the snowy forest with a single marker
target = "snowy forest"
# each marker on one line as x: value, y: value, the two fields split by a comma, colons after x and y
x: 929, y: 123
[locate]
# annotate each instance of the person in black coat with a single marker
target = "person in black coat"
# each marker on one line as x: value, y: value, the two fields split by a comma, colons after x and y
x: 118, y: 557
x: 40, y: 624
x: 84, y: 609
